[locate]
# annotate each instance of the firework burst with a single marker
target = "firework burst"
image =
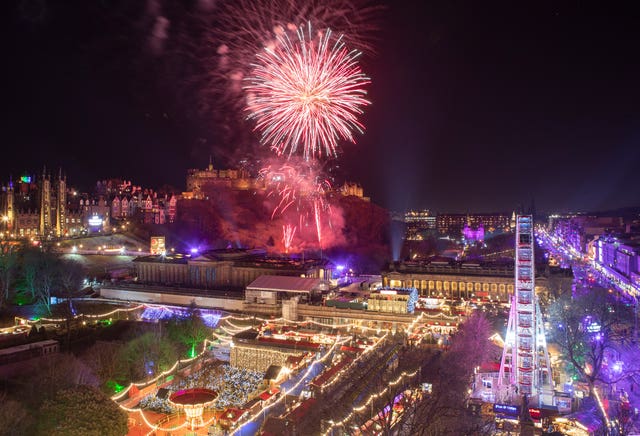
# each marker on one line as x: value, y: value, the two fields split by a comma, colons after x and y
x: 288, y: 232
x: 299, y: 189
x: 307, y: 92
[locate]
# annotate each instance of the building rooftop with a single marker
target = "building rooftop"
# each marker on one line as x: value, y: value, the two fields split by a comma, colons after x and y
x: 25, y: 347
x: 159, y: 258
x: 454, y: 267
x: 284, y: 284
x: 246, y: 335
x: 239, y: 257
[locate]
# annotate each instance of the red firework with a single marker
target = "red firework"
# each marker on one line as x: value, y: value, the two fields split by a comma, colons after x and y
x: 307, y: 92
x: 300, y: 188
x: 288, y: 232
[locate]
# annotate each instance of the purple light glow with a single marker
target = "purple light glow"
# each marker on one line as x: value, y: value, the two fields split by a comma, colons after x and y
x: 473, y: 235
x: 194, y: 250
x: 617, y: 367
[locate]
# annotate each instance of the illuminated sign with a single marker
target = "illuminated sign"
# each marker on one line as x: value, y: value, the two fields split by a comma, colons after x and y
x: 506, y: 409
x: 388, y: 292
x: 25, y: 179
x: 95, y: 221
x: 594, y: 327
x: 535, y: 413
x: 157, y: 245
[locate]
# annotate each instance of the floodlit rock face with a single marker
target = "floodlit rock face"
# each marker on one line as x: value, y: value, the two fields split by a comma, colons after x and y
x: 347, y: 224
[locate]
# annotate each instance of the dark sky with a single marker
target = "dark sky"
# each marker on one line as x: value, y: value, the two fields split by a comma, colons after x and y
x: 476, y: 106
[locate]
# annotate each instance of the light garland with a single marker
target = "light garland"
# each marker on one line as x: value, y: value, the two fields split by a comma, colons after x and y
x: 295, y: 386
x: 601, y: 406
x: 372, y: 397
x: 234, y: 329
x: 31, y: 321
x: 354, y: 362
x: 206, y: 342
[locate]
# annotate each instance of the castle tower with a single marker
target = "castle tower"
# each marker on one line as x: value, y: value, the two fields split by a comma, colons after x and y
x: 525, y: 369
x: 45, y: 204
x: 61, y: 206
x: 9, y: 212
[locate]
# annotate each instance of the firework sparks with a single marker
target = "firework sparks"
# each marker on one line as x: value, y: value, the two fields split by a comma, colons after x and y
x: 300, y: 188
x: 288, y: 232
x: 307, y: 92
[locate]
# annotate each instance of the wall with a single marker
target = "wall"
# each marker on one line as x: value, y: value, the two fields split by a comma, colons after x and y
x: 171, y: 299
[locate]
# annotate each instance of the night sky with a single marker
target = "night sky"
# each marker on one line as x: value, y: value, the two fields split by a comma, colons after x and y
x: 476, y: 107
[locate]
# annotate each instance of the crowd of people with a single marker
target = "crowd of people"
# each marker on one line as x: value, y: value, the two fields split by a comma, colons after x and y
x: 233, y: 385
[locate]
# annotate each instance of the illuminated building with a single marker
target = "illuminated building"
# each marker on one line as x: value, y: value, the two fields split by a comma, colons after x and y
x: 350, y: 189
x: 454, y: 223
x: 45, y: 205
x: 445, y: 278
x: 35, y: 209
x: 266, y: 293
x: 393, y: 300
x: 144, y: 206
x: 252, y: 350
x: 61, y: 206
x: 473, y: 235
x: 95, y: 213
x: 417, y: 223
x: 620, y: 256
x: 578, y: 230
x: 204, y: 184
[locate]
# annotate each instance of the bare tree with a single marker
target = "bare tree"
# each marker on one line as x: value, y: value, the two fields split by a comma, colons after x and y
x: 590, y: 327
x: 69, y: 282
x: 15, y: 418
x: 39, y: 275
x: 8, y: 266
x: 103, y: 359
x: 54, y: 372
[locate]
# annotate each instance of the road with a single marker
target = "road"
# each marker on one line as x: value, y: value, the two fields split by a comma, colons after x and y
x: 587, y: 275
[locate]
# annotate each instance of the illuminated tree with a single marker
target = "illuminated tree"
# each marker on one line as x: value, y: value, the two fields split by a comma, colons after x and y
x: 145, y: 356
x: 103, y: 359
x: 81, y: 410
x: 39, y: 276
x: 189, y: 330
x: 591, y: 329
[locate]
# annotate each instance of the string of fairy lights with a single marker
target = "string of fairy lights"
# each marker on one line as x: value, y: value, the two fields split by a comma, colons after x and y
x: 338, y: 376
x: 263, y: 410
x: 363, y: 405
x: 230, y: 329
x: 157, y: 427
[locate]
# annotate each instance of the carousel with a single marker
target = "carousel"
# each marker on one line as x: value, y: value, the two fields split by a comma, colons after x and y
x: 193, y: 401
